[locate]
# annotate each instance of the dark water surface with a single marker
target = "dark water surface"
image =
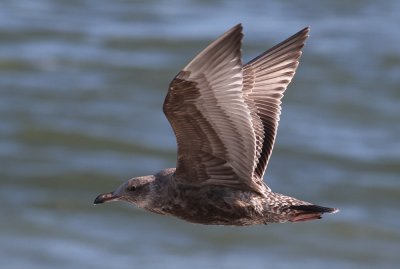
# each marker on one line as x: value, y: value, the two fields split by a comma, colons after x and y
x: 81, y: 89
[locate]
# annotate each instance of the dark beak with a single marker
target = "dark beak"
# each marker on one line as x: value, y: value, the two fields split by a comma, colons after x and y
x: 105, y: 197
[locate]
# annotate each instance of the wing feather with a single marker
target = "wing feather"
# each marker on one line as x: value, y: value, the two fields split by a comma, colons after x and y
x: 265, y: 79
x: 211, y: 120
x: 225, y: 116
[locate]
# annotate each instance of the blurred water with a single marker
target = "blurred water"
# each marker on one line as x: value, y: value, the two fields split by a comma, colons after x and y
x: 81, y: 89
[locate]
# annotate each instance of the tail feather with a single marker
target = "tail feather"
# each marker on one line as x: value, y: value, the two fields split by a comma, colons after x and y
x: 310, y: 212
x: 314, y: 208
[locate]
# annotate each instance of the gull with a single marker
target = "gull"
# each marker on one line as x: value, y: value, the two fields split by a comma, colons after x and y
x: 225, y: 117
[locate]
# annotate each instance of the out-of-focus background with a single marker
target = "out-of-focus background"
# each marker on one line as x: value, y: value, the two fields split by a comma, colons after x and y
x: 81, y: 89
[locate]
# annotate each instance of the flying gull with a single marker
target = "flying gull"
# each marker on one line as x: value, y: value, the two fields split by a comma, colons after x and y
x: 225, y: 118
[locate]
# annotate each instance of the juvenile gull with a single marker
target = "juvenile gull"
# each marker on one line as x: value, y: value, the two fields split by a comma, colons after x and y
x: 225, y: 117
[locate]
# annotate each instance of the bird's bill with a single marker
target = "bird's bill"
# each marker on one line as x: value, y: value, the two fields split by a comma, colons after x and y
x: 105, y: 197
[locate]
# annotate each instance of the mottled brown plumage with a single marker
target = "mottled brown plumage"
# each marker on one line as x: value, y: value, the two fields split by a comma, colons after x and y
x: 225, y: 117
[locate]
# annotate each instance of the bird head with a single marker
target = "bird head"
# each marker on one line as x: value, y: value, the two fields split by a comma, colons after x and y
x: 134, y: 190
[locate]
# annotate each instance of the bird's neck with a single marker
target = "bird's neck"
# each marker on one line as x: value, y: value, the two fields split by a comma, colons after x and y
x: 159, y: 191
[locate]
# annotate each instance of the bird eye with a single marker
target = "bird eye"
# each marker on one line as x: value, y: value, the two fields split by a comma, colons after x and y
x: 132, y: 188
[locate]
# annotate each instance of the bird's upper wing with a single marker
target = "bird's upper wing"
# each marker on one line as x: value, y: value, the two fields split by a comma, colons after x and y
x: 265, y: 79
x: 211, y: 119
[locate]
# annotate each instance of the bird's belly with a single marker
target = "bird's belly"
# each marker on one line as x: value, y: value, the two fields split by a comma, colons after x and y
x: 216, y: 210
x: 208, y: 214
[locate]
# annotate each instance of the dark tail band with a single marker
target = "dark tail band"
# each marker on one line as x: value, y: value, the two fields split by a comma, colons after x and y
x: 314, y: 208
